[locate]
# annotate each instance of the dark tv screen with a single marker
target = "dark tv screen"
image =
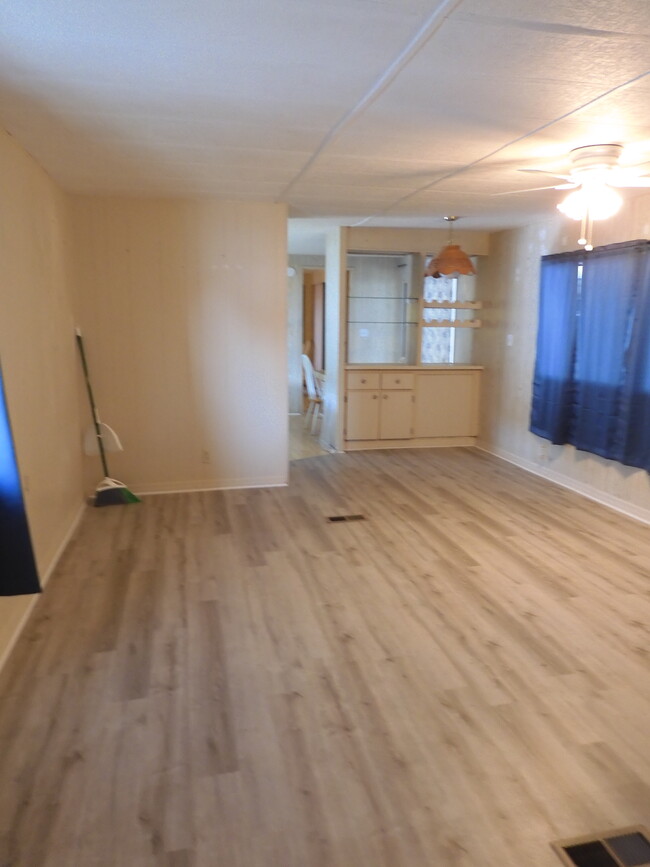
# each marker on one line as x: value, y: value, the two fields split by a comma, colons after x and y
x: 18, y: 573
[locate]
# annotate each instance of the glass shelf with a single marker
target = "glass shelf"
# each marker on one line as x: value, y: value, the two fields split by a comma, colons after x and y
x: 380, y: 298
x: 380, y: 322
x: 395, y: 316
x: 383, y: 308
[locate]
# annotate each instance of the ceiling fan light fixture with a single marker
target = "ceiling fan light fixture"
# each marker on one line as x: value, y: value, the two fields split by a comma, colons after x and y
x: 598, y: 201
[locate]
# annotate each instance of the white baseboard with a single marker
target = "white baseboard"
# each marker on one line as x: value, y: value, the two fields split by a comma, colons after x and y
x: 588, y: 491
x: 44, y: 578
x: 226, y: 485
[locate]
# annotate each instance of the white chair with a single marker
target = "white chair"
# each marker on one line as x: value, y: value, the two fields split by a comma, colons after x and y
x: 314, y: 394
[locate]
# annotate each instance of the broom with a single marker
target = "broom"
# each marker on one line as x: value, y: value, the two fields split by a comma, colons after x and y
x: 109, y: 492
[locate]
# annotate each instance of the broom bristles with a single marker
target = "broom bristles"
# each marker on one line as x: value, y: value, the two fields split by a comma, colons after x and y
x: 110, y: 492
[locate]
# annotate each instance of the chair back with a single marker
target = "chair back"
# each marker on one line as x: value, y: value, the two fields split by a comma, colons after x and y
x: 310, y: 379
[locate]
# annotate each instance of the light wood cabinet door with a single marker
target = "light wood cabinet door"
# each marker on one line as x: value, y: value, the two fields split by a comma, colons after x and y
x: 446, y: 404
x: 362, y: 415
x: 396, y: 415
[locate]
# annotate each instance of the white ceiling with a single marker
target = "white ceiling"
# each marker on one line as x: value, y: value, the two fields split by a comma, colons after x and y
x: 387, y: 112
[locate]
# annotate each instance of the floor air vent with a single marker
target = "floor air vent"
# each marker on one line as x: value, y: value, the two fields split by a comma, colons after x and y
x: 335, y: 519
x: 629, y: 847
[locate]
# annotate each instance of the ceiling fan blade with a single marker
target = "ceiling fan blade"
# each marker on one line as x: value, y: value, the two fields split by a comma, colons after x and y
x: 625, y: 166
x: 536, y: 189
x: 546, y: 172
x: 629, y: 182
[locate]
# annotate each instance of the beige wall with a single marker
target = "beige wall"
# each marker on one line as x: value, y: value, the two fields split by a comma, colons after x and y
x: 183, y: 308
x: 38, y: 358
x: 508, y: 286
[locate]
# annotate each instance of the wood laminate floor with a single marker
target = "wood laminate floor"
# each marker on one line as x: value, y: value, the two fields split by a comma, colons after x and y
x: 226, y: 679
x: 302, y: 443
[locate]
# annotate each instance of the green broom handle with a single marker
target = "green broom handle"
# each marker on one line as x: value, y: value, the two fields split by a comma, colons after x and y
x: 91, y: 400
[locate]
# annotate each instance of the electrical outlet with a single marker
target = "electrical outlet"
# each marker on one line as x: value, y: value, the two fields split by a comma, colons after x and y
x: 205, y: 456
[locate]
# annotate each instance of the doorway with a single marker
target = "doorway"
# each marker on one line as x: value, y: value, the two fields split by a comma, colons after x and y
x: 313, y: 316
x: 306, y: 335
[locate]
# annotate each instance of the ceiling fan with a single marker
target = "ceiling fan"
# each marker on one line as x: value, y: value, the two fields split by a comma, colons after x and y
x: 593, y: 164
x: 593, y: 176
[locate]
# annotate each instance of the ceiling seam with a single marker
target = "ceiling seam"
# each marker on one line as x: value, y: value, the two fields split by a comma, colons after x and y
x: 433, y: 23
x: 501, y: 148
x: 548, y: 27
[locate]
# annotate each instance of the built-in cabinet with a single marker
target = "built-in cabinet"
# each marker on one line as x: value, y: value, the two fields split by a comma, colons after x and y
x: 400, y: 345
x: 407, y: 407
x: 379, y: 405
x: 446, y: 403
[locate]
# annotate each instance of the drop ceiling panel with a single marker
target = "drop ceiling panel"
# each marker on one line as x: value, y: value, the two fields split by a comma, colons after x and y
x: 341, y: 107
x: 247, y: 56
x: 499, y: 51
x: 421, y: 139
x: 470, y: 106
x: 624, y: 16
x: 407, y: 177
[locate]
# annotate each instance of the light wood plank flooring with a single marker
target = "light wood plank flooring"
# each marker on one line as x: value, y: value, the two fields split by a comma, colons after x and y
x: 226, y: 679
x: 302, y: 443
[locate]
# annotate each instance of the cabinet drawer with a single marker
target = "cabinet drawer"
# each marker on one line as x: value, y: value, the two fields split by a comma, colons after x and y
x: 397, y: 380
x: 363, y: 379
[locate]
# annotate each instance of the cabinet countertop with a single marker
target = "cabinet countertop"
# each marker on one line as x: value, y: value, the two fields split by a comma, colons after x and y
x: 417, y: 367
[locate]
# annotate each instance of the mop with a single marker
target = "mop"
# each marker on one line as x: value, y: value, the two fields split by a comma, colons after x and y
x: 109, y: 492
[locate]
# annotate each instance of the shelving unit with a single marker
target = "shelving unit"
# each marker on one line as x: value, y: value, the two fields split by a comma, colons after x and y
x: 453, y: 323
x: 452, y: 305
x: 382, y: 309
x: 387, y: 322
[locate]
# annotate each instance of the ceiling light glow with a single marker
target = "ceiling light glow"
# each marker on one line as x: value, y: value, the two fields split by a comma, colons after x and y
x: 596, y: 201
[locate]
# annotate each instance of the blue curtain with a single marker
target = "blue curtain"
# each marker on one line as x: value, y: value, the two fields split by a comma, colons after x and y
x: 632, y: 442
x: 18, y: 573
x: 606, y: 296
x: 556, y: 337
x: 592, y: 373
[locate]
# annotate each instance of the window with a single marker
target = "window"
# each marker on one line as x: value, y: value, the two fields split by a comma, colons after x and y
x: 592, y: 372
x: 438, y: 344
x: 448, y: 319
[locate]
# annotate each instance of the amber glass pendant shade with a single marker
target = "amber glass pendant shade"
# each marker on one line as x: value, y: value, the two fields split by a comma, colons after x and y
x: 450, y: 260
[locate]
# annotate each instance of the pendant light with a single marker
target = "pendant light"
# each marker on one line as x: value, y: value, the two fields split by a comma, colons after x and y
x: 451, y: 260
